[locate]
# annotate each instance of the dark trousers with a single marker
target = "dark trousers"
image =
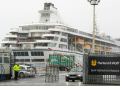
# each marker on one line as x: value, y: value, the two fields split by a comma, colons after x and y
x: 16, y: 75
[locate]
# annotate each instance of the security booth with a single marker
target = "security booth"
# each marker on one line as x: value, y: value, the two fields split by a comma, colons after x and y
x: 5, y: 64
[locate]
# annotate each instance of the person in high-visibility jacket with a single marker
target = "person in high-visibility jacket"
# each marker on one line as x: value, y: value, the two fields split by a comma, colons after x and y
x: 16, y: 69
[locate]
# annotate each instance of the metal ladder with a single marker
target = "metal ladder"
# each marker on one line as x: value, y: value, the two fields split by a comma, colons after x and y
x: 2, y: 72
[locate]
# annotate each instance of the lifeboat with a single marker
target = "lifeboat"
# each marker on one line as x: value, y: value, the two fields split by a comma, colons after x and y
x: 86, y: 46
x: 97, y: 47
x: 107, y: 49
x: 73, y: 40
x: 78, y: 41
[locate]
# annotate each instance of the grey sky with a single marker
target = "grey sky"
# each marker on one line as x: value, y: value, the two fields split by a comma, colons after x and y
x: 77, y: 13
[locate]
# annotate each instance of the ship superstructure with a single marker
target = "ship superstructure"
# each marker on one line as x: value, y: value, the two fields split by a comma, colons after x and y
x: 51, y: 31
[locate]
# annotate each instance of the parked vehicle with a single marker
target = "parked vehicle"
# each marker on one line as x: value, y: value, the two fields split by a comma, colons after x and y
x: 31, y: 65
x: 26, y: 71
x: 75, y: 74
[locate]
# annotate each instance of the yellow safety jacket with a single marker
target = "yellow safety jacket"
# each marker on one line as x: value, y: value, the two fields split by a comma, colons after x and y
x: 16, y: 68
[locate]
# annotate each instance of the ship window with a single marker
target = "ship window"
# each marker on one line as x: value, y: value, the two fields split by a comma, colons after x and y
x: 15, y: 53
x: 62, y: 46
x: 0, y: 59
x: 39, y: 27
x: 41, y: 53
x: 16, y: 60
x: 86, y: 40
x: 47, y: 27
x: 64, y: 34
x: 27, y: 60
x: 26, y: 53
x: 20, y: 53
x: 37, y: 54
x: 37, y: 60
x: 6, y: 59
x: 51, y: 26
x: 31, y: 27
x: 51, y: 44
x: 32, y: 53
x: 43, y: 27
x: 21, y: 60
x: 63, y: 40
x: 56, y: 38
x: 36, y: 27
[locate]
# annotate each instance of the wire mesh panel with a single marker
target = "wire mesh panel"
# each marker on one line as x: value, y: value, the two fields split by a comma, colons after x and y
x: 101, y: 69
x: 52, y: 73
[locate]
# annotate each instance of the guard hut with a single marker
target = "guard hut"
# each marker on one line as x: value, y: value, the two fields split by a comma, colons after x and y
x: 5, y: 61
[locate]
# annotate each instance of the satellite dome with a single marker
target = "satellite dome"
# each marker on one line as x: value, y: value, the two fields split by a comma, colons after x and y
x: 102, y: 33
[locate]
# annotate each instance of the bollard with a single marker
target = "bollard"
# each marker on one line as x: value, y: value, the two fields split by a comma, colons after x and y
x: 55, y: 77
x: 52, y: 78
x: 48, y: 78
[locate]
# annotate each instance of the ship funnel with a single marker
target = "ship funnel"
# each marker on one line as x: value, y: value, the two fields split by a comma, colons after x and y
x: 50, y: 14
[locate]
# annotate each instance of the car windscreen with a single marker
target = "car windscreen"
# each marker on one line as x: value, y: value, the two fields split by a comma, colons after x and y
x: 76, y: 70
x: 21, y: 64
x: 29, y: 68
x: 27, y: 64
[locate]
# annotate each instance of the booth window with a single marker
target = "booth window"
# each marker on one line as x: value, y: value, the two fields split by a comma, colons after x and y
x: 0, y: 54
x: 0, y: 59
x: 6, y: 59
x: 5, y: 54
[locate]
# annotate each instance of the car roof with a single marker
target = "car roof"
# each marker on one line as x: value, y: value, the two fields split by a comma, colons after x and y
x: 77, y: 68
x: 24, y: 66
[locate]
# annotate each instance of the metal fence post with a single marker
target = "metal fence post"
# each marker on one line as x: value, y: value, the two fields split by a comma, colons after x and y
x: 52, y: 73
x: 46, y: 73
x: 84, y: 68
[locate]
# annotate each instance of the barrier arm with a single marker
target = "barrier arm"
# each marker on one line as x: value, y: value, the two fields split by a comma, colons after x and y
x: 66, y: 57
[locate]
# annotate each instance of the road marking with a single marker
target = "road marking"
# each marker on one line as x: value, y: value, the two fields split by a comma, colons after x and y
x: 62, y: 74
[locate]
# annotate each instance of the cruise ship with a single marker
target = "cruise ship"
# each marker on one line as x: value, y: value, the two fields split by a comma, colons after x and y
x: 30, y: 43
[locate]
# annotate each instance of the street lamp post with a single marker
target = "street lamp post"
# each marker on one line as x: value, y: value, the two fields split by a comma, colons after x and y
x: 93, y: 2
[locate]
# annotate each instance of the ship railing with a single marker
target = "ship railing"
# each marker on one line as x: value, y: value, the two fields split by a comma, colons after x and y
x: 14, y: 29
x: 10, y: 34
x: 22, y: 35
x: 8, y: 40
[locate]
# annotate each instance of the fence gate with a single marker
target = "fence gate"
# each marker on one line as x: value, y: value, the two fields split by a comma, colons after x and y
x: 52, y: 73
x: 101, y: 69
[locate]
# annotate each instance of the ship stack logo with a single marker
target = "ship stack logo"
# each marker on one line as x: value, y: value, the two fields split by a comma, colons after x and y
x: 93, y: 62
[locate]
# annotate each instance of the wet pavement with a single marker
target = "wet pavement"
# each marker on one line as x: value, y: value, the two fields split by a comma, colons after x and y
x: 39, y: 81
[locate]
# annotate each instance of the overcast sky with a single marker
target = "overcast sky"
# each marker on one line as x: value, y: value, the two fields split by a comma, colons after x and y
x: 77, y: 13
